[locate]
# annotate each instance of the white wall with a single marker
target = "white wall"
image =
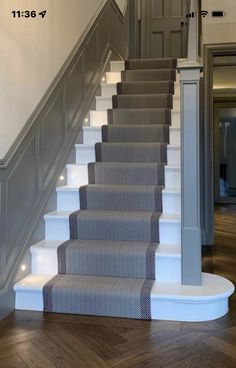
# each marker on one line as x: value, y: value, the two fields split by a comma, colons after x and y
x: 121, y: 4
x: 219, y: 30
x: 32, y: 52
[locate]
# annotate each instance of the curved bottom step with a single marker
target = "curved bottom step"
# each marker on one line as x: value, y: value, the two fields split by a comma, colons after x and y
x: 169, y: 301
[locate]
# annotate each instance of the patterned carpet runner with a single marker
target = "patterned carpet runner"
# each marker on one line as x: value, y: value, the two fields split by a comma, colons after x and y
x: 107, y: 267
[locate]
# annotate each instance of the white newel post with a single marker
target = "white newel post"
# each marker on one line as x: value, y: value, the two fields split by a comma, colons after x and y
x: 190, y: 173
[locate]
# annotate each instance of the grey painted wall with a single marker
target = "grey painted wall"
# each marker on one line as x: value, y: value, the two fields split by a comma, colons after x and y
x: 29, y: 174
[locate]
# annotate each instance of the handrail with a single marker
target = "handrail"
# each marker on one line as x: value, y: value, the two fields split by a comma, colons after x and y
x: 193, y: 32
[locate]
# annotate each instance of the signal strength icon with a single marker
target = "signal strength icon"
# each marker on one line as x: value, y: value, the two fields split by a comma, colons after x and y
x: 204, y: 13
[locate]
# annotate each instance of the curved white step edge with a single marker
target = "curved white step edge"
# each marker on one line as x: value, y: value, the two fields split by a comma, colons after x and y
x: 85, y: 153
x: 57, y: 227
x: 29, y: 292
x: 176, y: 302
x: 168, y: 260
x: 169, y: 301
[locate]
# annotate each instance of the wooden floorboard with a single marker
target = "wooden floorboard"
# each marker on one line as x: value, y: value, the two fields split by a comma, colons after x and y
x: 38, y: 340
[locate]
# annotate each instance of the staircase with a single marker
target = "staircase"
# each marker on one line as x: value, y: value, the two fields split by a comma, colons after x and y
x: 121, y: 211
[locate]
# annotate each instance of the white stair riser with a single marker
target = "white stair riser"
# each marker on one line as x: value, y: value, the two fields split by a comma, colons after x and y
x: 108, y: 90
x: 168, y: 269
x: 175, y: 119
x: 175, y: 136
x: 177, y: 89
x: 169, y: 232
x: 85, y: 154
x: 113, y: 77
x: 69, y: 200
x: 117, y: 66
x: 93, y: 135
x: 98, y: 118
x: 77, y: 175
x: 58, y: 228
x: 176, y: 103
x: 184, y: 310
x: 172, y: 177
x: 31, y: 300
x: 44, y: 262
x: 173, y: 155
x: 171, y: 203
x: 103, y: 103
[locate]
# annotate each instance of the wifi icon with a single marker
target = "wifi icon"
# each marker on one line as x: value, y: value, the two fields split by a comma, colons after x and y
x: 204, y: 13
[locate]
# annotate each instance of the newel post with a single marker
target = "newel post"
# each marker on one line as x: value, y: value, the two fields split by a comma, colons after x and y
x: 190, y: 173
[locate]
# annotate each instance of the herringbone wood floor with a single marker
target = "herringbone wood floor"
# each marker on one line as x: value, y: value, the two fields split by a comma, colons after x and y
x: 35, y: 340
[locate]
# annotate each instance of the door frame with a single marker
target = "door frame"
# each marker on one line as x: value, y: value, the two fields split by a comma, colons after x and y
x: 218, y: 103
x: 210, y: 50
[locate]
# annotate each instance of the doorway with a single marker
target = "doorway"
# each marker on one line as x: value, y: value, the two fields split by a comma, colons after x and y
x: 215, y: 55
x: 225, y: 151
x: 164, y: 28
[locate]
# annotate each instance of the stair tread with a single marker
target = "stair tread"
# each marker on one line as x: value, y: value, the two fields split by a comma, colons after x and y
x: 98, y: 128
x: 75, y: 188
x: 163, y: 250
x: 65, y: 214
x: 212, y: 286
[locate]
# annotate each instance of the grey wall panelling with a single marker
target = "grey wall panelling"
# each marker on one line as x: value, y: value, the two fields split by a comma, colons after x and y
x: 29, y: 172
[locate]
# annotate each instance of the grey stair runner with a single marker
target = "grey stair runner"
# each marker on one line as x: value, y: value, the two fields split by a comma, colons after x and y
x: 126, y: 173
x: 121, y: 197
x: 107, y: 267
x: 135, y: 88
x: 135, y: 133
x: 131, y: 152
x: 139, y: 116
x: 142, y: 101
x: 100, y: 296
x: 108, y: 258
x: 164, y: 63
x: 115, y: 225
x: 148, y: 75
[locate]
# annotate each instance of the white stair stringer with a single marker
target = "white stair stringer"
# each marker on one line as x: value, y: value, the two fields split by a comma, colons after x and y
x: 169, y: 299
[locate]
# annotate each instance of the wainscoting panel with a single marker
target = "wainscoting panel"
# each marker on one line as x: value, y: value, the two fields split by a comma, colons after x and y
x: 21, y: 192
x: 52, y: 136
x: 75, y: 89
x: 30, y: 170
